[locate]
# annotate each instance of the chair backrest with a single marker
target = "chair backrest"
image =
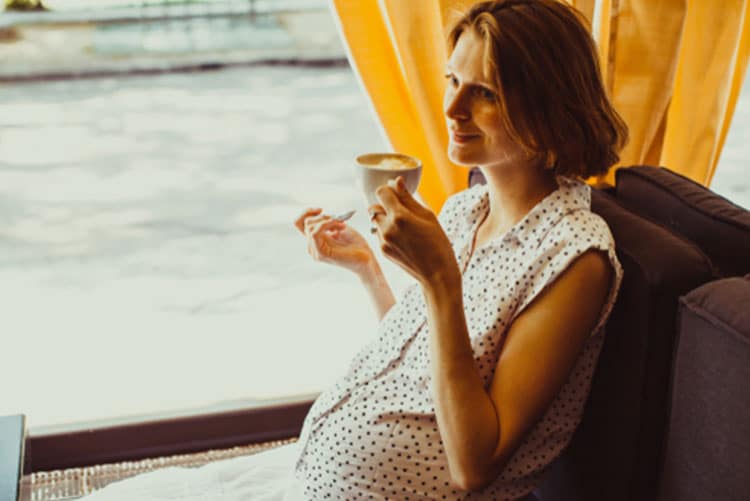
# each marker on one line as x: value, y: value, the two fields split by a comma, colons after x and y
x: 720, y: 228
x: 616, y: 452
x: 708, y: 443
x: 707, y: 452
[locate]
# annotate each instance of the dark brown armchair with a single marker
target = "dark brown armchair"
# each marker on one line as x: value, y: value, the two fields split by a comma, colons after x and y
x: 668, y: 413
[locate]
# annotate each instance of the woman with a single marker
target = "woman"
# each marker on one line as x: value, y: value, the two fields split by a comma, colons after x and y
x: 478, y: 374
x: 516, y: 279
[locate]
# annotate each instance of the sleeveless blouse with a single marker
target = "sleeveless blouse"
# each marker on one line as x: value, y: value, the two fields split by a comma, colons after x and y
x: 374, y: 435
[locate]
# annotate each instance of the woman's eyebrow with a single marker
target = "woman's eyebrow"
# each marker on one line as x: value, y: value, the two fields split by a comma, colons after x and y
x: 481, y: 85
x: 489, y: 87
x: 484, y: 86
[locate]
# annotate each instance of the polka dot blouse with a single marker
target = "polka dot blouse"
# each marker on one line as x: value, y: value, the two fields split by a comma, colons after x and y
x: 373, y: 435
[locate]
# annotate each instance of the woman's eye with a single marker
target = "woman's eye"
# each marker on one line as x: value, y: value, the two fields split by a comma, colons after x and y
x: 452, y: 80
x: 485, y: 93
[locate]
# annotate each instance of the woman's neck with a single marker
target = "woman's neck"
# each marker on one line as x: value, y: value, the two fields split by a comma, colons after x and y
x: 512, y: 194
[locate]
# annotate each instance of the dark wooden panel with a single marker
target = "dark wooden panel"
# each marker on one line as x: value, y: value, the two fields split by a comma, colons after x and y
x: 164, y: 437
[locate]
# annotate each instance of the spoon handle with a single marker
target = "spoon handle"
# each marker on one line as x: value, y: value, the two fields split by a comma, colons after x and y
x: 344, y: 216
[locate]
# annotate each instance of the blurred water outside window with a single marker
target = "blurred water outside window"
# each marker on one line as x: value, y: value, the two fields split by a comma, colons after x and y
x: 148, y: 262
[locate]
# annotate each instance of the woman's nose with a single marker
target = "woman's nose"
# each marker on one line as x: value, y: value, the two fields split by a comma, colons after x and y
x: 455, y: 106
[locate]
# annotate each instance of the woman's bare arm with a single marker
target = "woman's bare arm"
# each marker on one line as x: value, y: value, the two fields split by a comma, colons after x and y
x: 481, y: 429
x: 336, y: 243
x: 380, y: 292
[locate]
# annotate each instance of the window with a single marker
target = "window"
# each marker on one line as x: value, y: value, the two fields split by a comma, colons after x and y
x: 149, y: 259
x: 731, y: 179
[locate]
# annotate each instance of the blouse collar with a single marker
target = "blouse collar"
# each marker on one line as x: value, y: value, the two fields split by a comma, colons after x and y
x: 570, y: 195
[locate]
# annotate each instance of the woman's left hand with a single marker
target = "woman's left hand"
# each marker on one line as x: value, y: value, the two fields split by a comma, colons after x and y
x: 411, y: 236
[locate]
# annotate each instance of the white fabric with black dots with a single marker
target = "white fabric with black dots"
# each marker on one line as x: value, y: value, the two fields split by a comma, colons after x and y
x: 374, y: 435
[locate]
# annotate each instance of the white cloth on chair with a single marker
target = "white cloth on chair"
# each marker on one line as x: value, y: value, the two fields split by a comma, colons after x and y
x: 264, y: 476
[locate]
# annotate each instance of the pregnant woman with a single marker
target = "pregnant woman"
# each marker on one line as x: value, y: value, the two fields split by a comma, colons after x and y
x: 478, y: 374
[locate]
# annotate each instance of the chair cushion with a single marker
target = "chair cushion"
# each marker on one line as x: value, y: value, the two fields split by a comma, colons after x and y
x: 716, y: 225
x: 616, y: 451
x: 708, y: 444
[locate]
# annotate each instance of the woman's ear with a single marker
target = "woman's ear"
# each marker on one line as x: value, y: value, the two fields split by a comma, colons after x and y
x: 550, y: 160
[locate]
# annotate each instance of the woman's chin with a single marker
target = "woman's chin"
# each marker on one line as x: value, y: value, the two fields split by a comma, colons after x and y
x: 459, y: 157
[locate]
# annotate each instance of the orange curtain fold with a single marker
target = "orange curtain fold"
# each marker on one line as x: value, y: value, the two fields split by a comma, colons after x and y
x: 710, y: 72
x: 398, y: 53
x: 586, y: 7
x: 673, y: 69
x: 643, y: 44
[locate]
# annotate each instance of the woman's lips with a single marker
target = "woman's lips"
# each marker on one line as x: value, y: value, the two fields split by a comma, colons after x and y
x: 462, y: 138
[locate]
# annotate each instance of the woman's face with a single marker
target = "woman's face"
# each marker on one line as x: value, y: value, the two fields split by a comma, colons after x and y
x: 476, y: 132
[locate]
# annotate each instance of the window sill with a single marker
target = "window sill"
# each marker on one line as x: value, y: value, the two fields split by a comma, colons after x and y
x: 150, y: 436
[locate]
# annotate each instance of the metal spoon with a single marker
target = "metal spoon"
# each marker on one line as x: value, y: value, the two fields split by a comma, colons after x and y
x: 344, y: 216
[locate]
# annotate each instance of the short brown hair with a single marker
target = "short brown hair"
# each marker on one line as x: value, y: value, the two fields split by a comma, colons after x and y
x: 544, y: 64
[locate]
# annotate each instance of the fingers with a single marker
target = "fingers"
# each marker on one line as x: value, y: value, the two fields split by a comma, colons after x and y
x: 395, y: 193
x: 316, y: 229
x: 390, y: 206
x: 299, y: 223
x: 375, y: 211
x: 314, y: 225
x: 389, y: 249
x: 399, y: 186
x: 387, y: 196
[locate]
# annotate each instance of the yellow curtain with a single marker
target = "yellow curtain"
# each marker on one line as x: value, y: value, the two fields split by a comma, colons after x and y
x: 398, y: 51
x: 710, y: 72
x: 674, y: 69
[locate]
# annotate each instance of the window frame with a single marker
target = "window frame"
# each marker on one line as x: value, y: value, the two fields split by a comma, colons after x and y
x: 89, y: 444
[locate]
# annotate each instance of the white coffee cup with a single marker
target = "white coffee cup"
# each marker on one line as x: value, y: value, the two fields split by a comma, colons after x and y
x: 376, y: 169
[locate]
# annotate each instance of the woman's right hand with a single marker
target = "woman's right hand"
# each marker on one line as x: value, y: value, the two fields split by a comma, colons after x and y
x: 334, y: 242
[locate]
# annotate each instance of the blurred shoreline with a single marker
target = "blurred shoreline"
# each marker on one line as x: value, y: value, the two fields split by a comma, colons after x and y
x: 39, y: 46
